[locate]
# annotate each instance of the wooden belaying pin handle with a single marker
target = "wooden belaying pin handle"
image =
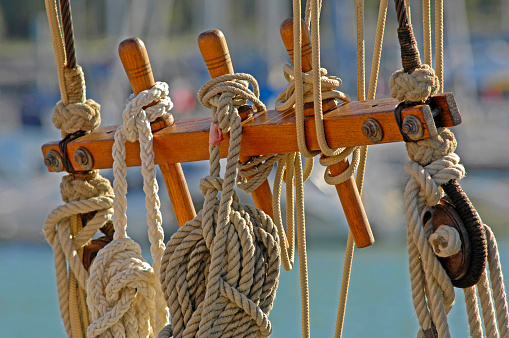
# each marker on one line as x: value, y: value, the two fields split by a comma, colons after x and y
x: 136, y: 63
x: 286, y: 31
x: 347, y: 191
x: 134, y: 57
x: 216, y: 55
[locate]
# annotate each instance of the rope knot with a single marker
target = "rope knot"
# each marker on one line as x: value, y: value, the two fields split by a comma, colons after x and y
x: 74, y: 117
x: 121, y: 291
x: 138, y: 115
x: 286, y: 99
x: 77, y: 187
x: 211, y: 184
x: 416, y: 86
x: 428, y: 179
x: 431, y: 149
x: 445, y: 241
x: 224, y: 94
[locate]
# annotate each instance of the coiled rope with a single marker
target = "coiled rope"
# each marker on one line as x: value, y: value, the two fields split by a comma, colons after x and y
x: 124, y: 295
x: 220, y: 270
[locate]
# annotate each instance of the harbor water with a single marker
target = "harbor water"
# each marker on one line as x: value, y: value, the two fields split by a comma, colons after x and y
x: 379, y: 301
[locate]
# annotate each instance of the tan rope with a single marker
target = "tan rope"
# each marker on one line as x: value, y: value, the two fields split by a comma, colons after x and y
x: 439, y: 42
x: 497, y: 283
x: 361, y: 76
x: 377, y: 50
x: 426, y: 29
x: 472, y: 307
x: 220, y: 270
x: 350, y: 246
x: 74, y: 293
x: 58, y: 44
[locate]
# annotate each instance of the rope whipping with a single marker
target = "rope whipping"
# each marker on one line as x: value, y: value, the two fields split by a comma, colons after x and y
x: 434, y: 169
x: 88, y: 196
x: 125, y: 297
x: 220, y: 270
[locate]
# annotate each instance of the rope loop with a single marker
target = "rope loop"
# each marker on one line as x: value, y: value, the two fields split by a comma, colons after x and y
x: 331, y: 160
x: 286, y: 99
x: 137, y: 116
x: 257, y: 169
x: 219, y: 272
x: 416, y: 86
x: 224, y: 94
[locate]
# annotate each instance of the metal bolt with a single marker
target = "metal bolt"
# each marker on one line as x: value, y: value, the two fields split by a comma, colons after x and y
x: 83, y: 158
x: 412, y: 127
x: 372, y: 130
x: 53, y: 161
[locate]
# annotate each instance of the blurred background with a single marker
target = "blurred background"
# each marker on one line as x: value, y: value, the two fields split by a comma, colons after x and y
x: 476, y: 71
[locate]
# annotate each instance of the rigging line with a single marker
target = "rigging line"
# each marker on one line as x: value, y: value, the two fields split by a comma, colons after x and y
x: 426, y: 29
x: 58, y: 45
x: 439, y: 42
x: 65, y: 13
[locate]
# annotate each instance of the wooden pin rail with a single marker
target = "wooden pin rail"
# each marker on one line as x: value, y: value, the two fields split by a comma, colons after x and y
x: 187, y: 140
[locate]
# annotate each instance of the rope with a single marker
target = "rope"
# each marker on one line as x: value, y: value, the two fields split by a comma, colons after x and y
x: 58, y: 44
x: 426, y: 29
x: 254, y: 172
x: 432, y: 164
x: 125, y: 292
x: 220, y: 270
x: 82, y: 197
x: 84, y: 193
x: 439, y: 41
x: 373, y: 80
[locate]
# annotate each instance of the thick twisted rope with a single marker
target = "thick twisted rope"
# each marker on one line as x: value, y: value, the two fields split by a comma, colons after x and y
x: 256, y: 171
x: 73, y: 114
x: 432, y: 164
x: 81, y: 197
x: 111, y: 300
x: 220, y: 270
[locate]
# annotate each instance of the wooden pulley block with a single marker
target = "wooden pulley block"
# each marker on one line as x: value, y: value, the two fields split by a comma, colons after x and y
x: 90, y: 251
x: 466, y: 267
x: 444, y: 213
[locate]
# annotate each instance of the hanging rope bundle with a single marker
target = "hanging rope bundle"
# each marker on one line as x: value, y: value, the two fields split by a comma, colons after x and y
x: 435, y: 169
x: 124, y: 295
x: 220, y: 271
x: 432, y: 164
x: 88, y: 196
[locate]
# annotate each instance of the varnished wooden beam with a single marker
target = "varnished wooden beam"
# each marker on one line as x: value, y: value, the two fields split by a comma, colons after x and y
x: 268, y: 133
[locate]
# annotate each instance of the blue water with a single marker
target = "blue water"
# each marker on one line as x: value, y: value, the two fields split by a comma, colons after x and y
x: 379, y: 301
